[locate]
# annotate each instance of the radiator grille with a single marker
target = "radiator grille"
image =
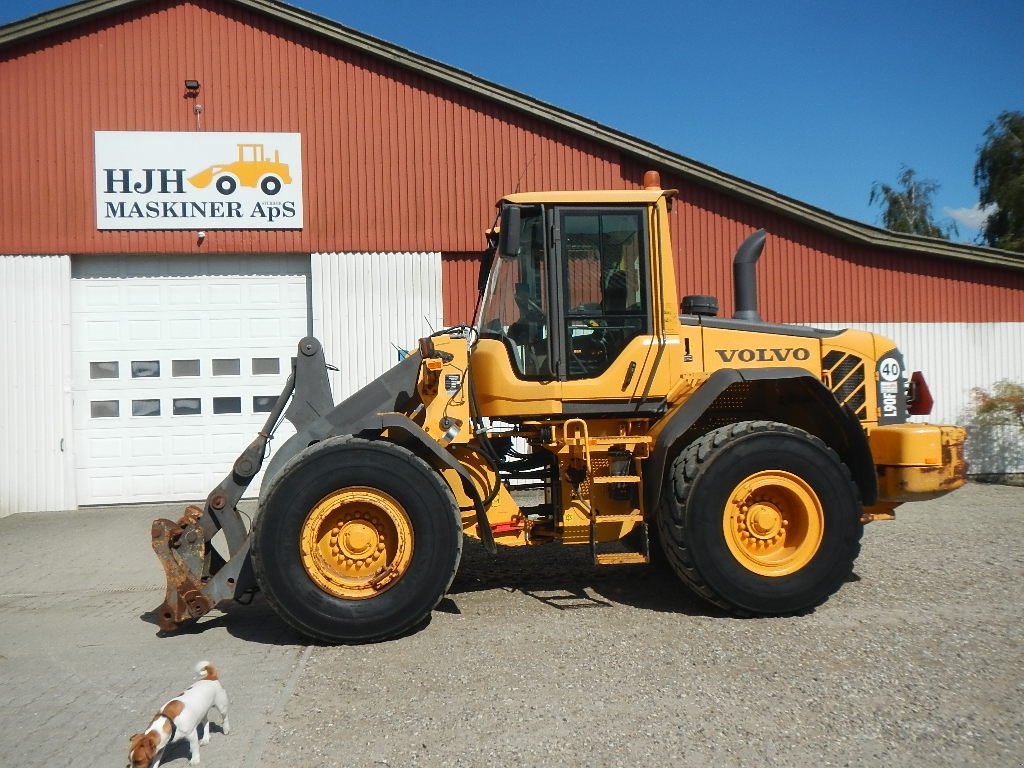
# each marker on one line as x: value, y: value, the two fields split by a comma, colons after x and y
x: 846, y: 378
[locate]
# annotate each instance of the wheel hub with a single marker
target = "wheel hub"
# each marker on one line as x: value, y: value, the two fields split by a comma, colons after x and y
x: 773, y: 523
x: 763, y: 520
x: 356, y: 543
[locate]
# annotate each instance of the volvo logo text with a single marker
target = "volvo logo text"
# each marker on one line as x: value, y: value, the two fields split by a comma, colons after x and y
x: 764, y: 355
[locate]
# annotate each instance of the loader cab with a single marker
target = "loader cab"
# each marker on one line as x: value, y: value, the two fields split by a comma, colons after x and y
x: 565, y: 309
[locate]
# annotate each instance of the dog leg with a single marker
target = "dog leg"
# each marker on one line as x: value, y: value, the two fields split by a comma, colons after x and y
x: 193, y: 745
x: 221, y: 703
x: 156, y: 758
x: 204, y: 732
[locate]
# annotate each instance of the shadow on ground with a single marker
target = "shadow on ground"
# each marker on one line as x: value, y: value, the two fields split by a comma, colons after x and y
x: 254, y: 623
x: 560, y: 577
x: 565, y: 578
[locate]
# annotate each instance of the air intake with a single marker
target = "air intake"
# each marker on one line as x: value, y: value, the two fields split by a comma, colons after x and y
x: 744, y: 276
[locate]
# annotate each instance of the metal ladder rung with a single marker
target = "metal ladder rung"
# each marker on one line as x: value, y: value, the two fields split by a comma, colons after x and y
x: 615, y: 479
x: 631, y: 517
x: 619, y: 558
x: 622, y: 440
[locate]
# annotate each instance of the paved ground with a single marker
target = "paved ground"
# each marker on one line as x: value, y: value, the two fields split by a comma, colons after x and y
x: 81, y: 661
x: 537, y: 659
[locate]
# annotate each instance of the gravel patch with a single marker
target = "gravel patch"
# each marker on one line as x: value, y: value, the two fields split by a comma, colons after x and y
x: 539, y: 658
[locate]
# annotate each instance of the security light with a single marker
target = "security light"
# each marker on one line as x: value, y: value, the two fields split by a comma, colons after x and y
x: 192, y: 86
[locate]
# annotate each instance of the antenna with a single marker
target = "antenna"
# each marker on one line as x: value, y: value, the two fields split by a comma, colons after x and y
x: 520, y: 180
x: 429, y: 325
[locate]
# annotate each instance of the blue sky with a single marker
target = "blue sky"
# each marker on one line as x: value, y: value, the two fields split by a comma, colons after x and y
x: 814, y: 99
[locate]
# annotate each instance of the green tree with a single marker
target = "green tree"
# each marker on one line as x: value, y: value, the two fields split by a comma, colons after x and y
x: 908, y: 207
x: 999, y: 176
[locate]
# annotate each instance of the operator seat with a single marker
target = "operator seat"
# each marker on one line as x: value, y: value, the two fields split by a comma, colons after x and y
x: 613, y: 306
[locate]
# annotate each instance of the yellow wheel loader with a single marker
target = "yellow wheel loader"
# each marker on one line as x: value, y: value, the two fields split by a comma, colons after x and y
x: 750, y: 453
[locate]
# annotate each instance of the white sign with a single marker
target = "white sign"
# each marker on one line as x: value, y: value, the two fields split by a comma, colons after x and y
x: 198, y: 180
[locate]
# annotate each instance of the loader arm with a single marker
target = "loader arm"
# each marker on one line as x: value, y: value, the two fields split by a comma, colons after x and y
x: 198, y: 578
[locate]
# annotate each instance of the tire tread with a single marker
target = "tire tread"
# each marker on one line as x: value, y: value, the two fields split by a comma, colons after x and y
x: 683, y: 473
x: 295, y: 464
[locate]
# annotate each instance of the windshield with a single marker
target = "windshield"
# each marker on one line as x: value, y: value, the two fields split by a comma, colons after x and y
x: 515, y: 306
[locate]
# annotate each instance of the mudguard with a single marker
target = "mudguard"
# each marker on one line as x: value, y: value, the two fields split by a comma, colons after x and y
x: 844, y: 433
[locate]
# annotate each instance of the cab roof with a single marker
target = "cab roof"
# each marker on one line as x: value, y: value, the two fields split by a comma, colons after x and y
x: 592, y: 197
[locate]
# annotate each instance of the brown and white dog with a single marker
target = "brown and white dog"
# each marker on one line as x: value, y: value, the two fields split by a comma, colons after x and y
x: 183, y: 717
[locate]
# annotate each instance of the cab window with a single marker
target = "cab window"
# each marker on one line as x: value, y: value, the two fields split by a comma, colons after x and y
x: 603, y: 257
x: 516, y: 306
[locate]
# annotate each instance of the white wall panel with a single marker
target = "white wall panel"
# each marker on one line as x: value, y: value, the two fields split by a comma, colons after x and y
x: 36, y: 465
x: 955, y: 358
x: 367, y: 306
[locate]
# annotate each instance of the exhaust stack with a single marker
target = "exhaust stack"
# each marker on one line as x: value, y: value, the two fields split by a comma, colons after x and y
x: 744, y: 276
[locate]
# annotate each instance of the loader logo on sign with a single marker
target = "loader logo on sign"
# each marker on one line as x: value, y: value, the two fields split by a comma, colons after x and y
x: 198, y: 180
x: 251, y: 169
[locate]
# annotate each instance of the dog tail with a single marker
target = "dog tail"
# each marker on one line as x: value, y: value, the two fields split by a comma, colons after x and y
x: 206, y: 671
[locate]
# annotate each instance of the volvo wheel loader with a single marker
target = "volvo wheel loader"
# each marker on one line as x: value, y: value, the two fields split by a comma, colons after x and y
x: 750, y: 453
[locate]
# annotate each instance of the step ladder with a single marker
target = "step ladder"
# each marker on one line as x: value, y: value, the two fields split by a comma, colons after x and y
x: 614, y: 552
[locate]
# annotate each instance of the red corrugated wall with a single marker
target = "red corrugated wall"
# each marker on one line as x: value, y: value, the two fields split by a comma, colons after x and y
x: 806, y: 275
x: 394, y: 161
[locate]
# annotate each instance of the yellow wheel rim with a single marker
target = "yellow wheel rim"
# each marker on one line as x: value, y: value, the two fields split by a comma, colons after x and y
x: 773, y: 523
x: 356, y: 543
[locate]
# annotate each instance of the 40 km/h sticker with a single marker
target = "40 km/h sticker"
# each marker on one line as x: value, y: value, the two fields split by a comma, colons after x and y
x: 890, y: 369
x: 891, y: 403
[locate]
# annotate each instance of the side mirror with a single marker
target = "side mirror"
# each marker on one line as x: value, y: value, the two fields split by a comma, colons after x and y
x: 508, y: 238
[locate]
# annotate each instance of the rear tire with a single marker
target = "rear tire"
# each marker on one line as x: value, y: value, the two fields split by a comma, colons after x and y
x: 225, y: 184
x: 760, y: 518
x: 357, y: 541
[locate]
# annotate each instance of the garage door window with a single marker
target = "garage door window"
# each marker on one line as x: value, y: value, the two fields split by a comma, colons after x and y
x: 145, y: 407
x: 104, y: 409
x: 145, y: 369
x: 187, y: 406
x: 227, y: 405
x: 182, y: 368
x: 263, y: 403
x: 262, y: 366
x: 106, y: 370
x: 226, y: 366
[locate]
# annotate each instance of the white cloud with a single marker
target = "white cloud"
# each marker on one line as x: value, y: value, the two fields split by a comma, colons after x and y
x: 973, y: 217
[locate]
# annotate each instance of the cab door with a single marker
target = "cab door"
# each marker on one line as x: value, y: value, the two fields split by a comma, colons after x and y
x: 513, y: 368
x: 602, y: 345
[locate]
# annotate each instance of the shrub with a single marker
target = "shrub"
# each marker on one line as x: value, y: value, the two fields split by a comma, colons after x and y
x: 1003, y: 405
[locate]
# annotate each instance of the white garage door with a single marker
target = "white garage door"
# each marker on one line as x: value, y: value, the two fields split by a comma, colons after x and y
x: 175, y: 362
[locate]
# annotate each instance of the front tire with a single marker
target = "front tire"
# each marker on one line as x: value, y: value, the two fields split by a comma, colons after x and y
x: 357, y: 541
x: 270, y: 185
x: 760, y: 518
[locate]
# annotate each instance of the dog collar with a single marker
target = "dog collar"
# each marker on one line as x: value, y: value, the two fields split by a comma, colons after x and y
x: 174, y: 728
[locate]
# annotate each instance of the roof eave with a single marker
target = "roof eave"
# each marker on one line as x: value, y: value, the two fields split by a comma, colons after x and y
x: 60, y: 18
